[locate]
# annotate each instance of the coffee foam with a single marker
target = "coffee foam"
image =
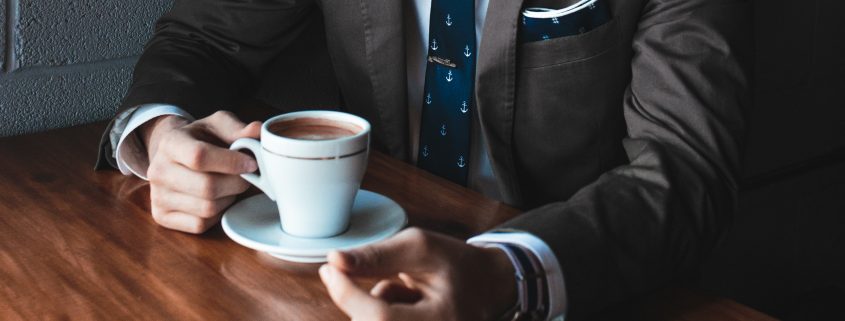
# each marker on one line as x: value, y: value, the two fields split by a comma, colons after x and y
x: 313, y: 128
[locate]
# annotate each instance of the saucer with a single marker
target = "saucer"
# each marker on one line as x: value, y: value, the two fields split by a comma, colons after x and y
x: 254, y: 223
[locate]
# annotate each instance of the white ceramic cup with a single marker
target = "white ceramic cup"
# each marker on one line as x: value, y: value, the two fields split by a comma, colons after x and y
x: 313, y: 182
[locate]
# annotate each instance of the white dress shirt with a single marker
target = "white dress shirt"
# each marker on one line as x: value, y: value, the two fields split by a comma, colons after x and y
x: 132, y: 158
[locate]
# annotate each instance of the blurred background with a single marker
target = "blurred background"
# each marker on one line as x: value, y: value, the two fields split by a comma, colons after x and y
x: 68, y: 62
x: 785, y: 254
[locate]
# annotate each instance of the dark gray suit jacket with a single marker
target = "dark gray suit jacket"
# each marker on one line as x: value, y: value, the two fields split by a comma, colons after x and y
x: 621, y: 144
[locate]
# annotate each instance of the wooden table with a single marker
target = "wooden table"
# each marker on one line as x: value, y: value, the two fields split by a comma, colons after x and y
x: 80, y: 244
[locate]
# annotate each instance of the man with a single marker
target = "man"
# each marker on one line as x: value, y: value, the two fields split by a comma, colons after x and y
x: 620, y: 142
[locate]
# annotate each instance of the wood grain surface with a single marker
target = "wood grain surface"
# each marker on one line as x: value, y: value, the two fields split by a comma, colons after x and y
x: 80, y: 244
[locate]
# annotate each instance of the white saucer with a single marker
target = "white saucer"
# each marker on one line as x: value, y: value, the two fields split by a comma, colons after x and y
x: 254, y: 223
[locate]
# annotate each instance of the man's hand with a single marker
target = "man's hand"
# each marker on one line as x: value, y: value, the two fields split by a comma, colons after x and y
x: 193, y: 175
x: 440, y: 278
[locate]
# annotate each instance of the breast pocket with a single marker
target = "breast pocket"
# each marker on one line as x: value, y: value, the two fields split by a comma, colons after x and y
x: 568, y: 112
x: 569, y: 49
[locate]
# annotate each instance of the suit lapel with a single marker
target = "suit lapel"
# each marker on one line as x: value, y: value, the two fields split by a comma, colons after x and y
x: 495, y: 85
x: 385, y: 50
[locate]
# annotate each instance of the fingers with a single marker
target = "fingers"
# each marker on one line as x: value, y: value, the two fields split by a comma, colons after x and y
x: 170, y: 200
x: 186, y: 213
x: 193, y: 179
x: 228, y: 127
x: 207, y: 186
x: 395, y: 292
x: 192, y: 145
x: 408, y: 251
x: 201, y: 156
x: 351, y: 299
x: 183, y: 222
x: 252, y: 130
x: 190, y: 201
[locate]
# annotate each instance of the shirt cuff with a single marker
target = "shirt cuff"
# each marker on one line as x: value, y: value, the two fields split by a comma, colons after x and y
x: 558, y: 302
x: 130, y: 153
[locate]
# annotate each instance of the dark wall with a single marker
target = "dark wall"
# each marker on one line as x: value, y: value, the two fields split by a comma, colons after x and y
x: 68, y: 62
x: 785, y: 254
x: 799, y: 111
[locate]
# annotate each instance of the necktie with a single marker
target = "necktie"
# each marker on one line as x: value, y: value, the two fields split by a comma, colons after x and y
x: 540, y: 24
x: 448, y: 94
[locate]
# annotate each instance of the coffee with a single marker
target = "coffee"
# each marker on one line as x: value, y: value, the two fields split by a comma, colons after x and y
x: 311, y: 163
x: 309, y: 128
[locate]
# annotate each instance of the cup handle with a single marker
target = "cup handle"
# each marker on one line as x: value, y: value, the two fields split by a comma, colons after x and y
x: 259, y: 181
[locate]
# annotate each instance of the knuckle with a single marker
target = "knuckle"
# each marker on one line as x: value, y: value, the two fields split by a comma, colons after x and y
x: 197, y: 226
x: 196, y: 156
x: 158, y: 215
x: 222, y: 114
x: 208, y: 209
x: 206, y: 188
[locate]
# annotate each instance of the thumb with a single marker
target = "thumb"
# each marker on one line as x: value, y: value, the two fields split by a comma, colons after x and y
x: 356, y: 303
x: 407, y: 251
x: 227, y: 127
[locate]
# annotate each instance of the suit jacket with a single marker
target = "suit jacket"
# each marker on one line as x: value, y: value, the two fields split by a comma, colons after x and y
x: 622, y: 144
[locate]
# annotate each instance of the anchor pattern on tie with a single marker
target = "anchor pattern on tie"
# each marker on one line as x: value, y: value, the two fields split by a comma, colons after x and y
x: 449, y: 86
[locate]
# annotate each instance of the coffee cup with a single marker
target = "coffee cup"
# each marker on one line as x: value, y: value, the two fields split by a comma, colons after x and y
x: 311, y: 164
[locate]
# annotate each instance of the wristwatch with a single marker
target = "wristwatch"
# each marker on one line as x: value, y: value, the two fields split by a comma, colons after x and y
x: 527, y: 285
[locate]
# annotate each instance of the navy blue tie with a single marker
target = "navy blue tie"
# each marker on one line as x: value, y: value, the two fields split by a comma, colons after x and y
x: 448, y: 95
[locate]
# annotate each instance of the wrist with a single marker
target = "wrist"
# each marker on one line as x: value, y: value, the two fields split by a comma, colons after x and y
x: 504, y: 286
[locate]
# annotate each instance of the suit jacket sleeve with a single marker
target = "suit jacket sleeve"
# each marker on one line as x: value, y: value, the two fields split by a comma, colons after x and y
x: 206, y: 54
x: 654, y: 219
